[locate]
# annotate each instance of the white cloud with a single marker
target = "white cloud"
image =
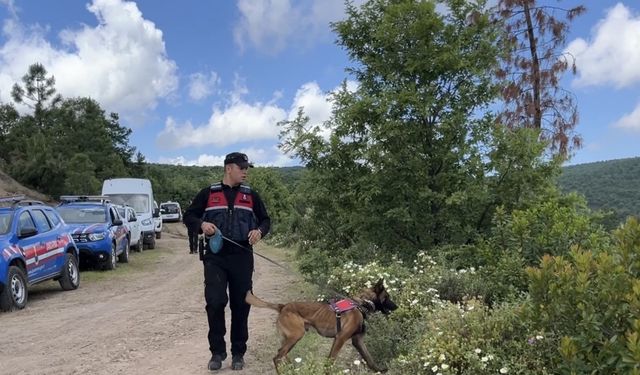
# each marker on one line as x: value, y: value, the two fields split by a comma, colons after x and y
x: 630, y: 121
x: 202, y: 85
x: 259, y: 156
x: 121, y: 62
x: 202, y: 160
x: 612, y: 56
x: 239, y: 122
x: 11, y: 7
x: 271, y: 25
x: 246, y: 122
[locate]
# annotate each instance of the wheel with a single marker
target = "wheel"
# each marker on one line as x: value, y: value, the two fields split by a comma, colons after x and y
x: 152, y: 244
x: 124, y: 257
x: 14, y: 294
x: 70, y: 276
x: 158, y: 235
x: 140, y: 245
x: 112, y: 262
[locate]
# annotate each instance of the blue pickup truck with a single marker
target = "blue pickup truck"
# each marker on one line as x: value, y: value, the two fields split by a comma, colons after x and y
x: 97, y: 229
x: 35, y: 246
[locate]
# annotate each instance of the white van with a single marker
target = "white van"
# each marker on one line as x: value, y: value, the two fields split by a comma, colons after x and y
x: 136, y: 193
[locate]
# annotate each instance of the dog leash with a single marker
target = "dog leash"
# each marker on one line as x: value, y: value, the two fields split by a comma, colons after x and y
x: 336, y: 293
x: 258, y: 254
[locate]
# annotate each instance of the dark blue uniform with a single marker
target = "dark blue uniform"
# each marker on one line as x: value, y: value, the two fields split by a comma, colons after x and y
x: 235, y: 211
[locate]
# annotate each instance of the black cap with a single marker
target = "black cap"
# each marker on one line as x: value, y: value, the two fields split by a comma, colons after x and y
x: 239, y: 159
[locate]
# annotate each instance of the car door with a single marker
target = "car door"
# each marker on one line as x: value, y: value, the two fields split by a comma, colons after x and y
x: 134, y: 225
x: 50, y: 255
x: 29, y: 243
x: 119, y: 231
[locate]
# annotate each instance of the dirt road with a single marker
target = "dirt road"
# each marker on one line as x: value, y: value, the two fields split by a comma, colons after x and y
x: 146, y: 317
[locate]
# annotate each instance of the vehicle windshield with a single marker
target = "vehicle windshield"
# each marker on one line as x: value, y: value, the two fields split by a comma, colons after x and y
x: 5, y: 222
x: 139, y: 202
x: 169, y: 208
x: 83, y: 215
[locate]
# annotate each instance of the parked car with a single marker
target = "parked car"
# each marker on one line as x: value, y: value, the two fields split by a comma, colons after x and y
x: 136, y: 193
x: 170, y: 211
x: 157, y: 221
x: 97, y: 229
x: 128, y: 215
x: 35, y: 245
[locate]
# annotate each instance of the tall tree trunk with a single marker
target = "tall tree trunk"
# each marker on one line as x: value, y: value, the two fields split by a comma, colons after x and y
x: 535, y: 67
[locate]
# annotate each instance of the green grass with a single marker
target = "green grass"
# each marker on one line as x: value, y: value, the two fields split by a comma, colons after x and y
x: 138, y: 262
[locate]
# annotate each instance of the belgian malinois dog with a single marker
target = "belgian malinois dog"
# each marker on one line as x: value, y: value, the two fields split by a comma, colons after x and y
x: 295, y: 318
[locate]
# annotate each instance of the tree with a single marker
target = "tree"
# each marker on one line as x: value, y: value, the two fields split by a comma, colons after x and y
x: 8, y: 119
x: 38, y: 93
x: 405, y: 154
x: 81, y: 177
x: 532, y: 68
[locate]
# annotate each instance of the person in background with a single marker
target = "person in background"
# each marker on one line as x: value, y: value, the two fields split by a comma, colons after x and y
x: 239, y: 214
x: 193, y: 238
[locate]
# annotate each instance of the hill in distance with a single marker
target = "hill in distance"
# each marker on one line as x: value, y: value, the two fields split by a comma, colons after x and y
x: 612, y: 185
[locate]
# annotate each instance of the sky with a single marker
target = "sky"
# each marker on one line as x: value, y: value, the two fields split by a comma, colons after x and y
x: 195, y: 79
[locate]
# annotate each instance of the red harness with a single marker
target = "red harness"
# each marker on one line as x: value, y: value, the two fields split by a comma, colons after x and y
x: 341, y: 306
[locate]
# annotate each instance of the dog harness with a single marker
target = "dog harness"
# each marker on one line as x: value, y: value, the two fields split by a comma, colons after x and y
x: 340, y: 307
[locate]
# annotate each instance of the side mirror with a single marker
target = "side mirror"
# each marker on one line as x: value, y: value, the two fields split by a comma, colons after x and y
x: 156, y: 212
x: 117, y: 222
x: 27, y: 232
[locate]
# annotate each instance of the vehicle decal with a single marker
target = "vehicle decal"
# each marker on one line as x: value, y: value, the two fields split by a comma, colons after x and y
x: 7, y: 252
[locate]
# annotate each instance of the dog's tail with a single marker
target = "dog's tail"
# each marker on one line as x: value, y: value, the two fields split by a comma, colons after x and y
x: 257, y: 302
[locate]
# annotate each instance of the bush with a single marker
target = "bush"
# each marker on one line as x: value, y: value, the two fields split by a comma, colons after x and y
x: 473, y: 339
x: 591, y: 302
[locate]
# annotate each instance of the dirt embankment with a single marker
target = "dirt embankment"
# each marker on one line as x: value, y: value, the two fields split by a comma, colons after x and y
x: 146, y: 317
x: 9, y: 186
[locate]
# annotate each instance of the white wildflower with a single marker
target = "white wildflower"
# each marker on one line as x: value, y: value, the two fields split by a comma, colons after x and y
x: 444, y: 366
x: 478, y: 351
x: 504, y: 370
x: 298, y: 359
x: 357, y: 362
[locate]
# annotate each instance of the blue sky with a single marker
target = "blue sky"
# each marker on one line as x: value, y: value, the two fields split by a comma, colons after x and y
x: 197, y: 79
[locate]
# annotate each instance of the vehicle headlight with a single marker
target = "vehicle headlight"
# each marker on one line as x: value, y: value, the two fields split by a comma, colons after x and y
x: 146, y: 222
x: 96, y: 236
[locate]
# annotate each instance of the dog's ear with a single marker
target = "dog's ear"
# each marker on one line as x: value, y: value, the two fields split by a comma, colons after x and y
x: 379, y: 287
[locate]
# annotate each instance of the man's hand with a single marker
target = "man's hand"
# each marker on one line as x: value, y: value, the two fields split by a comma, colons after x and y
x: 254, y: 236
x: 208, y: 228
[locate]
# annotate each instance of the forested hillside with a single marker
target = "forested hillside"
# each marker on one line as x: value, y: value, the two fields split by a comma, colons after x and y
x: 494, y: 268
x: 611, y: 185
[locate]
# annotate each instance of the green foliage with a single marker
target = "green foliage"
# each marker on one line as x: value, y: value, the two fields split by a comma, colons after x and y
x: 43, y: 149
x: 471, y: 339
x: 80, y: 176
x: 611, y: 186
x: 589, y: 301
x: 408, y: 165
x: 551, y: 227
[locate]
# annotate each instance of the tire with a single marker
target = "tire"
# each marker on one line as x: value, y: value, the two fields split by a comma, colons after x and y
x: 140, y: 245
x: 158, y: 235
x: 124, y: 257
x: 15, y: 293
x: 152, y: 245
x: 112, y: 262
x: 70, y: 275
